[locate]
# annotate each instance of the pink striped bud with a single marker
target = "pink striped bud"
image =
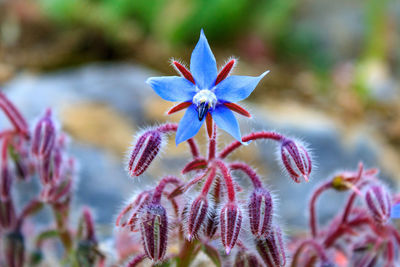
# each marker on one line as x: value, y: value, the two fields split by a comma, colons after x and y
x: 5, y: 182
x: 154, y: 231
x: 379, y: 203
x: 144, y: 151
x: 197, y: 215
x: 272, y: 249
x: 211, y: 223
x: 260, y: 212
x: 295, y: 160
x: 7, y: 214
x: 130, y: 214
x: 245, y: 259
x: 13, y: 115
x: 231, y: 222
x: 44, y: 136
x: 14, y: 249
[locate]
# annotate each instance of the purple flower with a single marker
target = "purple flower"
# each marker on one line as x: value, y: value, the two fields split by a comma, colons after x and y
x: 205, y: 93
x: 396, y: 211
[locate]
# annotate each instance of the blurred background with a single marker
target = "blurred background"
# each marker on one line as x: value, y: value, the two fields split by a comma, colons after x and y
x: 334, y: 82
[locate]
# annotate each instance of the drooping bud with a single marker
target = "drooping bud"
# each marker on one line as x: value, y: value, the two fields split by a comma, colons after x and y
x: 144, y: 151
x: 260, y: 212
x: 44, y: 136
x: 272, y: 249
x: 154, y: 231
x: 295, y: 160
x: 379, y: 203
x: 231, y: 222
x: 129, y: 216
x: 13, y: 115
x: 197, y: 215
x: 14, y: 248
x: 246, y: 259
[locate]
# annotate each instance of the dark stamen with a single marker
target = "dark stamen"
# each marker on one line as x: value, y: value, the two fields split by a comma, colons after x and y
x: 202, y: 110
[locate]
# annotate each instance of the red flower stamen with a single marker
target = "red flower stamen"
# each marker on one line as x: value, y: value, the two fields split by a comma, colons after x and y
x: 179, y: 107
x: 225, y: 71
x: 236, y: 108
x: 184, y: 71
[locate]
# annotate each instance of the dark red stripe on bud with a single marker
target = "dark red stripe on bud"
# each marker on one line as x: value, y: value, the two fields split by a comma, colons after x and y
x: 245, y: 259
x: 5, y: 182
x: 231, y: 223
x: 44, y: 136
x: 296, y: 160
x: 196, y: 164
x: 184, y: 71
x: 238, y: 109
x: 179, y: 107
x: 145, y: 150
x: 225, y: 71
x: 260, y: 212
x: 14, y: 249
x: 272, y: 249
x: 378, y: 203
x: 13, y: 115
x: 154, y: 231
x: 197, y: 216
x: 130, y: 214
x: 7, y: 214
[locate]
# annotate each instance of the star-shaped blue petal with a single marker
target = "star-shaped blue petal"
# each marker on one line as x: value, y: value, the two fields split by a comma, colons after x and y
x: 205, y: 92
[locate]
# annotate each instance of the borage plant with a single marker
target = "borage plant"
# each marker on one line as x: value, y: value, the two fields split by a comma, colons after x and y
x: 204, y: 211
x: 40, y: 154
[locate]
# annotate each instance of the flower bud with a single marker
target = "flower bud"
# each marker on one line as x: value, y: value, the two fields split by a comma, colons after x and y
x: 231, y: 222
x: 44, y: 136
x: 260, y: 212
x: 14, y: 248
x: 7, y: 214
x: 5, y: 182
x: 379, y: 203
x: 295, y: 160
x: 130, y: 214
x: 154, y: 231
x: 271, y: 248
x: 211, y: 223
x: 144, y: 151
x: 245, y: 259
x: 197, y: 215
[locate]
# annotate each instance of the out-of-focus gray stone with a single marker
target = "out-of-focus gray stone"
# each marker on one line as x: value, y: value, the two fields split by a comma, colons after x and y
x: 103, y: 183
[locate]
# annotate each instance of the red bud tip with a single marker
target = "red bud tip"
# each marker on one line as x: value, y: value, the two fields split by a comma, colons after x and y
x: 295, y: 160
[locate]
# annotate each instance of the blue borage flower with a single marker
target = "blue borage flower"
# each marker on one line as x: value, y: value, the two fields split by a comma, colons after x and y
x: 207, y: 94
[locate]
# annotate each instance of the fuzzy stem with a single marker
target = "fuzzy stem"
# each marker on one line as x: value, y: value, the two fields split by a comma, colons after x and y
x: 61, y: 218
x: 173, y: 127
x: 311, y: 243
x: 158, y: 191
x: 187, y: 253
x: 350, y: 202
x: 136, y: 260
x: 313, y: 216
x: 208, y: 182
x: 228, y: 179
x: 342, y: 229
x: 390, y: 254
x: 253, y: 136
x: 248, y: 171
x: 212, y: 143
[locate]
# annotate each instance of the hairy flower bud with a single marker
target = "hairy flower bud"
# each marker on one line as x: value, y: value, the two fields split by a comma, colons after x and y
x: 231, y: 222
x: 7, y: 214
x: 144, y: 151
x: 271, y: 248
x: 197, y: 215
x: 44, y: 136
x: 378, y: 202
x: 5, y: 182
x: 260, y: 212
x: 245, y: 259
x: 130, y: 214
x: 295, y: 160
x: 154, y: 231
x: 14, y: 248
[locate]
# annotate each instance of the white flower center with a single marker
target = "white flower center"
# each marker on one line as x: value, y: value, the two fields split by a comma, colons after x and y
x: 205, y: 96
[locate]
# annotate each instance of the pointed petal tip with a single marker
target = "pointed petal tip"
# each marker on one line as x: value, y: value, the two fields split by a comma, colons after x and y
x: 264, y: 74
